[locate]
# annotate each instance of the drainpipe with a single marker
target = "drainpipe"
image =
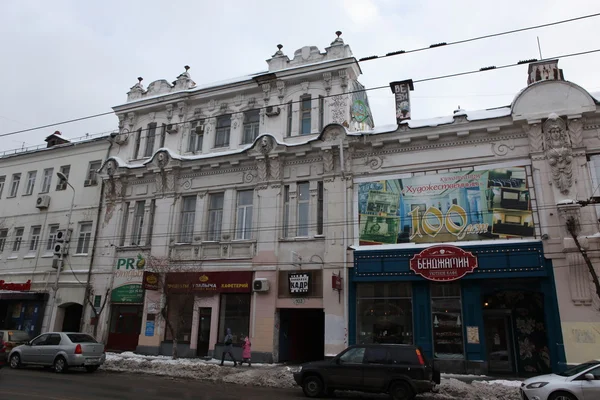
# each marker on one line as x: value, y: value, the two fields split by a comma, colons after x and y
x: 89, y: 274
x: 345, y: 239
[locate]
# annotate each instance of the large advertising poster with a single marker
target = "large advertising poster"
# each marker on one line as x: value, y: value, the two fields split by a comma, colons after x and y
x: 446, y: 207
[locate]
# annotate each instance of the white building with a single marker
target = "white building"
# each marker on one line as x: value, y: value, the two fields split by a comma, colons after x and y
x: 236, y: 183
x: 34, y: 206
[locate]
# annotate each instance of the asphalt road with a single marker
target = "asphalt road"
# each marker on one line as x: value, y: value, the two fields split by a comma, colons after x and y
x: 40, y: 384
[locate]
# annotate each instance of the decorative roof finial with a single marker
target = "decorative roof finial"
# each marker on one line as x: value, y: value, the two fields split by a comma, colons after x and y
x: 186, y: 67
x: 338, y: 40
x: 140, y: 79
x: 338, y: 33
x: 279, y: 53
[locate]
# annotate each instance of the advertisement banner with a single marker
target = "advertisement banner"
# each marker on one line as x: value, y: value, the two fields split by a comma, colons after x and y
x: 298, y: 283
x: 151, y: 280
x: 127, y: 284
x: 446, y: 207
x: 206, y: 282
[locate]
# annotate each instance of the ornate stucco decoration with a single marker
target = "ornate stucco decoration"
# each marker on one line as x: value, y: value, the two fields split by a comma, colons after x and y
x: 534, y: 132
x: 559, y: 153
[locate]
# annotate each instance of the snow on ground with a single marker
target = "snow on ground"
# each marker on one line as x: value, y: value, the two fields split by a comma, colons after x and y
x: 280, y: 376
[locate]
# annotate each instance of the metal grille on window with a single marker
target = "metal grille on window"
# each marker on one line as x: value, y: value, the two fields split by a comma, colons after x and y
x: 251, y: 124
x: 188, y: 215
x: 215, y: 216
x: 244, y: 215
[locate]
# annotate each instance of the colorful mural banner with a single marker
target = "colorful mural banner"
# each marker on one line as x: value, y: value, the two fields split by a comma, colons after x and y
x: 446, y: 207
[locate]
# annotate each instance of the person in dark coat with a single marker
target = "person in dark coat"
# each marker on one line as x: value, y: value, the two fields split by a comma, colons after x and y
x: 228, y: 342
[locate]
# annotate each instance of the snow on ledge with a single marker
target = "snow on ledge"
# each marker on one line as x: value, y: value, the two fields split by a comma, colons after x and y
x: 566, y: 201
x: 404, y: 246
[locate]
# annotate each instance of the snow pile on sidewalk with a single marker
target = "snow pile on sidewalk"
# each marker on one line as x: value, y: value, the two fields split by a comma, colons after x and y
x: 450, y: 389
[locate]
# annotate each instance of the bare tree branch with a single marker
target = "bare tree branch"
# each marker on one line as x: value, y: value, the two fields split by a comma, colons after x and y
x: 573, y: 229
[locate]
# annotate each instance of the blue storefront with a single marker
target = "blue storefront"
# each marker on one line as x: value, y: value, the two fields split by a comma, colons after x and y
x: 502, y: 318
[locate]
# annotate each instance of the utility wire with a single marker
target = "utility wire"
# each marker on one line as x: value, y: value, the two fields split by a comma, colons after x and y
x: 364, y: 59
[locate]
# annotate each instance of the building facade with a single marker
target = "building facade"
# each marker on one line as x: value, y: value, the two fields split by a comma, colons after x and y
x: 464, y: 246
x: 231, y: 200
x: 35, y: 205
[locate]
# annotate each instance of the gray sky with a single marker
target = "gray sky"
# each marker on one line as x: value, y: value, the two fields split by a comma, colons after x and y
x: 67, y: 59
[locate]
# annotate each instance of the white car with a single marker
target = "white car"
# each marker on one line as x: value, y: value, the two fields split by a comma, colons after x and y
x: 578, y: 383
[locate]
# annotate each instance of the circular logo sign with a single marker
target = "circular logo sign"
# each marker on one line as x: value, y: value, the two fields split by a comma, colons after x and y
x: 151, y: 279
x: 443, y: 263
x: 203, y: 278
x: 360, y: 111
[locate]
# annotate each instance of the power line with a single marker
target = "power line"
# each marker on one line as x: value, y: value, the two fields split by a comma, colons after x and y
x: 364, y: 59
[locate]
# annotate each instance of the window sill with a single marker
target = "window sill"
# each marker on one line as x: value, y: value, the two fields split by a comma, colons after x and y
x: 132, y: 247
x: 11, y: 197
x: 28, y: 256
x: 12, y: 257
x: 47, y: 255
x: 302, y: 238
x: 26, y: 194
x: 80, y: 255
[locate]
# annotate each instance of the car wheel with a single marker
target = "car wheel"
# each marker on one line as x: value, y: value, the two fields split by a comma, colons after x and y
x: 401, y: 391
x: 60, y: 365
x: 92, y: 368
x: 15, y: 361
x: 562, y: 396
x: 312, y: 386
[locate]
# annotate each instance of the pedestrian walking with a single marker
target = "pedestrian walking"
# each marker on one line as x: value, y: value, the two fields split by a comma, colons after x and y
x: 246, y: 352
x: 228, y: 341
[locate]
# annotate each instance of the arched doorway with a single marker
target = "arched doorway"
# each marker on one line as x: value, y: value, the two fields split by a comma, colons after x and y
x: 72, y: 317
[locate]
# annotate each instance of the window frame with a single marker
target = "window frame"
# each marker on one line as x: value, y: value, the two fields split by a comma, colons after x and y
x: 188, y: 219
x: 223, y: 131
x: 51, y: 241
x: 305, y: 114
x: 18, y: 239
x: 65, y: 170
x: 243, y: 226
x: 124, y: 223
x: 14, y: 185
x: 163, y: 135
x: 2, y: 183
x: 150, y: 222
x: 444, y: 296
x: 3, y: 237
x: 47, y: 180
x: 31, y: 178
x: 302, y: 228
x: 286, y: 211
x: 137, y: 143
x: 84, y: 238
x: 34, y: 239
x: 289, y: 118
x: 194, y: 139
x: 92, y: 173
x: 320, y: 208
x: 150, y: 140
x: 321, y: 112
x: 137, y: 228
x: 251, y: 126
x: 215, y: 217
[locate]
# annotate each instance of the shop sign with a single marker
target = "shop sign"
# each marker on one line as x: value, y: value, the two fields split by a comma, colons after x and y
x: 151, y: 280
x: 336, y: 282
x: 401, y: 92
x: 298, y: 283
x: 149, y: 328
x: 206, y: 282
x: 17, y: 287
x: 446, y: 207
x: 298, y: 301
x: 443, y: 263
x: 133, y: 293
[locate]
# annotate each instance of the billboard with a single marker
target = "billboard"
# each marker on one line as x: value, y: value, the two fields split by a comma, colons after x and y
x: 446, y: 207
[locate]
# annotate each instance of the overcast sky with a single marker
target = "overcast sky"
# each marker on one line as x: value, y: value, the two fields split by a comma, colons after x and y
x: 67, y: 59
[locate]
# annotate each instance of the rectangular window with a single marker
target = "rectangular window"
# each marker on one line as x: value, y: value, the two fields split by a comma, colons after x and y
x: 92, y: 175
x: 234, y: 313
x: 163, y: 135
x: 124, y: 224
x: 85, y: 234
x: 223, y: 130
x: 188, y: 216
x: 31, y: 176
x: 18, y: 239
x: 319, y: 208
x: 286, y: 211
x: 251, y: 124
x: 52, y: 229
x: 151, y: 222
x: 446, y: 311
x: 138, y: 222
x: 196, y: 137
x: 150, y: 139
x: 321, y: 112
x: 305, y: 109
x: 302, y: 214
x: 47, y: 180
x: 3, y: 236
x: 14, y: 185
x: 289, y: 119
x: 215, y: 216
x: 136, y: 145
x: 180, y: 312
x: 384, y: 313
x: 35, y: 238
x: 243, y: 228
x: 65, y: 170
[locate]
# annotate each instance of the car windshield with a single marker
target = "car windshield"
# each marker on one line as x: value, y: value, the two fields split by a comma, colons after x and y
x: 18, y: 336
x: 81, y: 338
x: 579, y: 368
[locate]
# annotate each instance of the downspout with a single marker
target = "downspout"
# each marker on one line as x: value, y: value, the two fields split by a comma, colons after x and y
x: 89, y: 274
x: 345, y: 239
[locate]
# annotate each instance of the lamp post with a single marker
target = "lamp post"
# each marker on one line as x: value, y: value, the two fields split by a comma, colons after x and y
x: 63, y: 178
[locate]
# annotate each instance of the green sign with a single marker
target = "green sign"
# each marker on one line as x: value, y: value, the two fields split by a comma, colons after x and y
x: 132, y: 293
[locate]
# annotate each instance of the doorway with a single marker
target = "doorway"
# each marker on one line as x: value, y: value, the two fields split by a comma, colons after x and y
x: 125, y: 325
x: 204, y: 318
x: 72, y: 317
x: 301, y: 335
x: 499, y: 342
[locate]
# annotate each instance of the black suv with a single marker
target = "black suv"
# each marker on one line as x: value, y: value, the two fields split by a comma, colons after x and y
x: 398, y: 369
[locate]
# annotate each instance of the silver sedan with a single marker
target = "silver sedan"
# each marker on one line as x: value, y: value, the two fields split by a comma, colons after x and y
x: 60, y: 350
x: 581, y: 382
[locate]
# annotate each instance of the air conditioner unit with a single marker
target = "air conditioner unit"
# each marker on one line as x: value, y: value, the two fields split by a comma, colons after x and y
x: 43, y: 201
x: 63, y: 235
x: 273, y: 111
x: 199, y: 130
x: 90, y: 182
x: 61, y: 248
x: 260, y: 285
x: 172, y: 128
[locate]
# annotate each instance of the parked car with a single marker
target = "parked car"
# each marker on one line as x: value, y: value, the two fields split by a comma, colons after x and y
x: 60, y: 350
x: 581, y: 382
x: 12, y: 338
x: 398, y: 369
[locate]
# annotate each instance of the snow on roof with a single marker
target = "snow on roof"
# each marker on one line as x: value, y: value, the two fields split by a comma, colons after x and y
x: 595, y: 95
x: 405, y: 246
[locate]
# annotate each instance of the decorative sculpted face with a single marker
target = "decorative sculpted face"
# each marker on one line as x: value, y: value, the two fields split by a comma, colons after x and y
x: 111, y: 168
